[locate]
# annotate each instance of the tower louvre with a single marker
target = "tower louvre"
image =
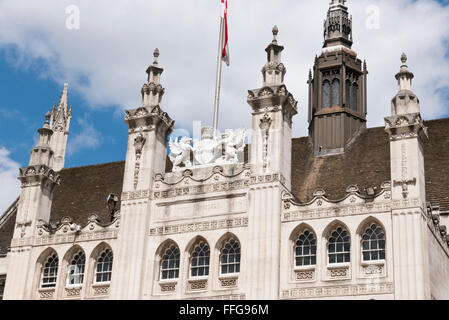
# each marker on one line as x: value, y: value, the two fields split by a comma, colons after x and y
x: 337, y: 88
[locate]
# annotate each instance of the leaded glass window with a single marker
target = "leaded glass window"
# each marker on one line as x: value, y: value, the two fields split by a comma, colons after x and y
x: 355, y: 95
x: 348, y: 93
x: 50, y: 272
x: 305, y: 249
x: 335, y: 92
x: 76, y: 269
x: 373, y: 243
x: 339, y: 246
x: 326, y: 94
x: 170, y: 263
x: 199, y: 263
x: 230, y: 257
x: 103, y: 268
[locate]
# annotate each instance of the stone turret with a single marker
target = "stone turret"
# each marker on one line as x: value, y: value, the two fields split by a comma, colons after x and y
x: 407, y: 131
x: 146, y: 155
x: 38, y: 180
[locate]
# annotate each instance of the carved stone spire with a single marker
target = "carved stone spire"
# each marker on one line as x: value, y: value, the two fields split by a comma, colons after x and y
x: 338, y: 25
x: 405, y: 101
x: 60, y: 124
x: 274, y: 70
x: 152, y: 91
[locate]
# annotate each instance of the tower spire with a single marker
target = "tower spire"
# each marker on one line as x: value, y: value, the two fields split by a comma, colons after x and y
x: 152, y: 91
x: 59, y: 122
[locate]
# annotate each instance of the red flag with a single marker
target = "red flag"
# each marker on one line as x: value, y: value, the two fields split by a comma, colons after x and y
x: 225, y: 50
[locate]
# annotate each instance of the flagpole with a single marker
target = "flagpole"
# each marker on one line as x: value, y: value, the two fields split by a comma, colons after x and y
x: 218, y: 81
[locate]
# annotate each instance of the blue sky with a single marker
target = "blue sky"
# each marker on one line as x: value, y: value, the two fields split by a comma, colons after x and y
x: 105, y: 60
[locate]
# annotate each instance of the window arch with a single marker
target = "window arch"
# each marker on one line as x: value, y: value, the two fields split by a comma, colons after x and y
x: 335, y: 92
x: 326, y: 94
x: 355, y: 95
x: 75, y: 270
x: 305, y: 249
x: 200, y: 260
x: 170, y: 263
x: 373, y: 243
x: 103, y: 266
x: 230, y: 257
x: 339, y: 246
x: 348, y: 93
x: 50, y: 271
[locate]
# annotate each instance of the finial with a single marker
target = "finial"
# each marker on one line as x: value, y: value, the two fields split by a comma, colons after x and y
x: 310, y: 74
x: 156, y: 55
x: 275, y: 33
x: 403, y: 58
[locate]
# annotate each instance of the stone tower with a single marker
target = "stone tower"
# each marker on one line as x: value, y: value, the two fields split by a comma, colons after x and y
x: 407, y: 131
x: 337, y: 87
x: 60, y: 124
x: 146, y: 154
x: 38, y: 180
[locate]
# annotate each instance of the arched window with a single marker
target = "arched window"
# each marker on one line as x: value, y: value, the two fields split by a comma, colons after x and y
x: 170, y: 263
x: 230, y: 257
x: 339, y: 246
x: 50, y: 271
x: 326, y: 94
x: 335, y: 92
x: 373, y: 243
x: 355, y: 95
x: 103, y: 268
x: 199, y: 264
x: 348, y: 93
x: 75, y: 271
x: 305, y: 249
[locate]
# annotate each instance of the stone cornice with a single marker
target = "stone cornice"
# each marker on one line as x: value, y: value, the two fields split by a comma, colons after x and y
x: 38, y: 174
x: 405, y: 126
x: 147, y: 118
x: 272, y: 96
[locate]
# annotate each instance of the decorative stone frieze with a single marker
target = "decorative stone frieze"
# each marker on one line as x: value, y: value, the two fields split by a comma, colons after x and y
x: 228, y: 282
x: 168, y: 287
x: 335, y: 291
x: 222, y: 297
x: 46, y: 294
x: 199, y: 226
x: 100, y: 289
x: 197, y: 285
x: 304, y: 274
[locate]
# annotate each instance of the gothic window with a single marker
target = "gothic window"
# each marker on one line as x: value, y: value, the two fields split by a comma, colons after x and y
x: 199, y: 263
x: 75, y: 271
x: 335, y: 92
x: 355, y: 95
x: 2, y: 286
x: 230, y: 257
x: 339, y: 246
x: 326, y: 94
x: 305, y: 249
x: 103, y: 268
x: 348, y: 93
x: 170, y: 263
x: 373, y: 243
x: 50, y: 271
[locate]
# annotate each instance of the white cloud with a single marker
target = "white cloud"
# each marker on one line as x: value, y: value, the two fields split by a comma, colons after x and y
x: 116, y: 39
x: 88, y: 138
x: 9, y: 170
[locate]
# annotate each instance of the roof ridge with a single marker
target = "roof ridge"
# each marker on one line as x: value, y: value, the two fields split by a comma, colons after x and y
x: 94, y: 165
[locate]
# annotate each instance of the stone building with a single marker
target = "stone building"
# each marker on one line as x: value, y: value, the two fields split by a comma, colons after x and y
x: 348, y: 212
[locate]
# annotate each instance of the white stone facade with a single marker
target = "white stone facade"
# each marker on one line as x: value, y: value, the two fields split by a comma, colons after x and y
x: 173, y: 230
